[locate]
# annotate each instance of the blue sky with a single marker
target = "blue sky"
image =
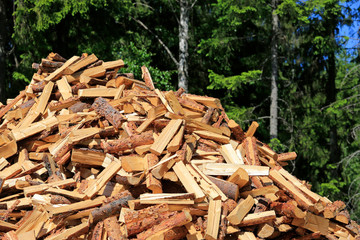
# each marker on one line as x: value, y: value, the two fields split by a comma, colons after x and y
x: 353, y: 31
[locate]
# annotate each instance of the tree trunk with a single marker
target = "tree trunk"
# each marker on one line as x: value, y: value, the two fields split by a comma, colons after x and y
x: 3, y: 37
x: 274, y: 73
x: 183, y: 45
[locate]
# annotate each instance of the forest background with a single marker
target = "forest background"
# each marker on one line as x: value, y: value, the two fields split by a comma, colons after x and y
x: 293, y: 66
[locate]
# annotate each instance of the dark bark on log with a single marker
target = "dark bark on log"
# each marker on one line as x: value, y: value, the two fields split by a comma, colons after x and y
x: 231, y: 190
x: 103, y: 108
x: 57, y: 199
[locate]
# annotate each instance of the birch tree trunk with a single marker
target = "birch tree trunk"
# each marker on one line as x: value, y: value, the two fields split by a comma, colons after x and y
x: 183, y: 45
x: 274, y: 73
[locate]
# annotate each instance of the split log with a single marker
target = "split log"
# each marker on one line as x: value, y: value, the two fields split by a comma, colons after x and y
x: 236, y: 131
x: 113, y: 229
x: 237, y: 215
x: 132, y: 142
x: 230, y: 189
x: 103, y: 108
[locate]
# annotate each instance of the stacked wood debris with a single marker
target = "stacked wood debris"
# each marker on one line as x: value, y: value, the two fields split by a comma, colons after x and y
x: 88, y: 153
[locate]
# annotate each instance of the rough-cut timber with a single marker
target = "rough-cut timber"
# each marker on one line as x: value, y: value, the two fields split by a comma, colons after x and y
x: 103, y: 108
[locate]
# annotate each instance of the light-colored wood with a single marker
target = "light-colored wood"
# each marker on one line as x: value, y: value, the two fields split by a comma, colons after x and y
x: 74, y: 231
x: 241, y: 210
x: 69, y: 194
x: 10, y: 171
x: 313, y: 223
x: 174, y: 103
x: 311, y: 195
x: 188, y: 181
x: 260, y: 191
x: 257, y: 218
x: 22, y: 133
x: 163, y: 166
x: 58, y: 72
x: 3, y: 163
x: 102, y: 178
x: 228, y: 152
x: 8, y: 149
x: 191, y: 123
x: 64, y: 88
x: 213, y: 136
x: 252, y: 129
x: 284, y: 184
x: 113, y: 64
x: 287, y: 156
x: 246, y: 236
x: 165, y: 136
x: 225, y: 169
x: 81, y: 134
x: 268, y: 152
x: 77, y: 206
x: 213, y: 221
x: 28, y: 191
x: 119, y: 92
x: 239, y: 177
x: 87, y: 157
x: 98, y: 92
x: 163, y: 100
x: 265, y: 230
x: 133, y: 163
x: 80, y: 64
x: 176, y: 142
x: 207, y: 101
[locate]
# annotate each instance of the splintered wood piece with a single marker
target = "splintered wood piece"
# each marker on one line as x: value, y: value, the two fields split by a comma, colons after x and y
x: 188, y: 181
x: 286, y: 185
x: 207, y: 101
x: 58, y: 72
x: 152, y: 183
x: 110, y: 208
x: 113, y: 229
x: 165, y: 136
x: 251, y: 151
x: 31, y: 190
x: 22, y: 133
x: 56, y: 106
x: 213, y: 221
x: 147, y: 77
x: 40, y: 107
x: 174, y: 103
x: 81, y: 134
x: 163, y: 100
x: 228, y: 152
x: 163, y: 166
x: 239, y: 177
x: 132, y: 142
x: 179, y: 219
x: 191, y: 123
x: 78, y: 206
x: 288, y: 209
x: 257, y: 218
x: 176, y: 142
x: 236, y: 131
x: 98, y: 231
x: 4, y: 110
x: 287, y: 156
x: 225, y: 169
x: 213, y: 136
x: 133, y: 163
x: 97, y: 92
x: 119, y: 92
x: 175, y: 233
x: 64, y: 88
x: 8, y: 149
x: 311, y: 195
x: 313, y: 223
x: 241, y: 210
x: 114, y: 64
x: 103, y: 108
x: 231, y: 190
x: 246, y: 236
x: 252, y: 129
x: 71, y: 232
x: 267, y: 151
x: 81, y: 64
x: 6, y: 226
x: 265, y: 230
x: 260, y: 191
x: 87, y: 157
x: 102, y: 178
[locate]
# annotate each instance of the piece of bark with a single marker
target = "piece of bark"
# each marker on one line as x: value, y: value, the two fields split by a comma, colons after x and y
x: 113, y: 229
x: 147, y: 77
x: 98, y: 231
x: 55, y: 57
x: 288, y: 209
x: 132, y: 142
x: 103, y: 108
x: 58, y: 199
x: 109, y: 209
x: 236, y: 131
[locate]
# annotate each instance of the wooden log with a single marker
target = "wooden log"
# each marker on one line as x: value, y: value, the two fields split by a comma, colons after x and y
x: 231, y: 190
x: 251, y: 151
x: 103, y: 108
x: 152, y: 183
x: 236, y: 131
x: 288, y: 209
x: 113, y: 229
x: 343, y: 217
x: 228, y: 152
x: 265, y: 230
x: 98, y: 231
x: 287, y: 156
x: 332, y: 209
x: 179, y: 219
x: 237, y: 215
x: 64, y: 88
x: 4, y: 110
x: 205, y: 100
x: 263, y: 191
x: 132, y: 142
x: 213, y: 136
x: 77, y: 206
x: 52, y: 64
x: 80, y: 64
x: 239, y: 177
x: 313, y: 223
x: 109, y: 209
x: 88, y: 157
x: 286, y: 185
x: 55, y: 57
x: 147, y: 77
x: 252, y: 129
x: 58, y: 72
x: 177, y: 140
x: 257, y: 218
x: 225, y: 169
x: 174, y: 103
x: 165, y: 136
x: 213, y: 221
x: 175, y: 233
x: 246, y: 236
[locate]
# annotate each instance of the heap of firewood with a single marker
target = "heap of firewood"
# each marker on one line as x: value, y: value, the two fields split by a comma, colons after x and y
x: 88, y: 153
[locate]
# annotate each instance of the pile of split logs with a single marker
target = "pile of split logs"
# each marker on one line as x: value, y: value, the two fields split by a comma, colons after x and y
x: 88, y: 153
